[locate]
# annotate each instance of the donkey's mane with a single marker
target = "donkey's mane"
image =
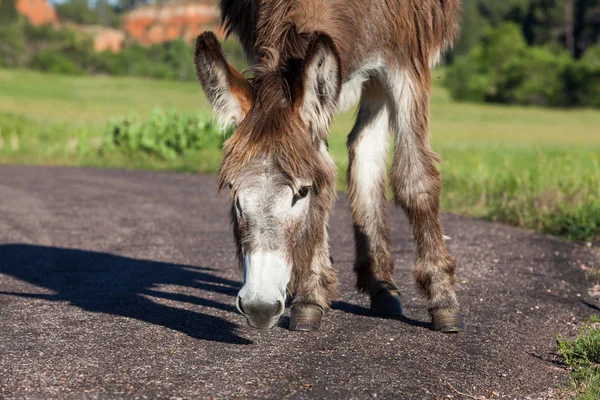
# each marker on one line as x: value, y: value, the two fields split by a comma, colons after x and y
x: 273, y: 129
x: 420, y: 29
x: 273, y: 126
x: 275, y: 35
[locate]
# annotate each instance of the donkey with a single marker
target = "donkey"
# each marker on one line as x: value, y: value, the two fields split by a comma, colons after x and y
x: 310, y: 59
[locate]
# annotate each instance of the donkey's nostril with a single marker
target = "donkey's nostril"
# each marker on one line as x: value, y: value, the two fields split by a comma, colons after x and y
x: 279, y: 308
x: 238, y: 301
x: 260, y: 309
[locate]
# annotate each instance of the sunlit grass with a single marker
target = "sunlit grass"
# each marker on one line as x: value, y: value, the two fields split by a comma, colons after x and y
x: 531, y: 167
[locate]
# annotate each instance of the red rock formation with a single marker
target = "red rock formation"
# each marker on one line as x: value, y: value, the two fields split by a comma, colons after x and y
x: 39, y: 12
x: 157, y: 24
x: 146, y: 25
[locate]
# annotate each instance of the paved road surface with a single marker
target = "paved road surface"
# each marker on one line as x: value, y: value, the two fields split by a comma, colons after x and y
x: 121, y: 284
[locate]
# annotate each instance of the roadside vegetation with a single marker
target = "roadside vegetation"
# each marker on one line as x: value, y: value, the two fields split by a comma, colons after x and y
x: 582, y: 356
x: 529, y: 167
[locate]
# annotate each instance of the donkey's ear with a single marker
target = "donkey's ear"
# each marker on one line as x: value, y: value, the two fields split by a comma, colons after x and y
x: 321, y: 83
x: 227, y: 90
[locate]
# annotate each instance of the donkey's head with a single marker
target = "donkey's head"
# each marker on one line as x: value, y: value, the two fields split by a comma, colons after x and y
x: 276, y: 164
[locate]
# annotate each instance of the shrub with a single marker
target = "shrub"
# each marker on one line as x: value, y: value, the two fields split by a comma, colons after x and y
x: 492, y: 70
x: 54, y: 62
x: 165, y: 134
x: 465, y: 82
x: 12, y: 43
x: 582, y: 79
x: 503, y: 69
x: 541, y: 77
x: 25, y: 45
x: 582, y: 355
x: 8, y: 12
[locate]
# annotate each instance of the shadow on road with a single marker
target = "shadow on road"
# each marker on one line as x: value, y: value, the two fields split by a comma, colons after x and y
x: 359, y: 310
x: 110, y: 284
x: 590, y: 305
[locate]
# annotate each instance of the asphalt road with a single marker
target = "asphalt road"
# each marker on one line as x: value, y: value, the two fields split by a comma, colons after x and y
x: 121, y: 284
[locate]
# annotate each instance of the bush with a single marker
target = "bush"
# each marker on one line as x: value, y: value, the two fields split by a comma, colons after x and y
x: 25, y: 45
x: 542, y: 77
x: 12, y: 43
x: 465, y: 82
x: 165, y: 134
x: 503, y: 69
x: 582, y: 355
x: 54, y: 62
x: 492, y: 70
x: 582, y: 79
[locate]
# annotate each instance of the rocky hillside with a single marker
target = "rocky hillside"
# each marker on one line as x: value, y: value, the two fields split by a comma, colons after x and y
x: 39, y: 12
x: 146, y: 25
x: 157, y: 24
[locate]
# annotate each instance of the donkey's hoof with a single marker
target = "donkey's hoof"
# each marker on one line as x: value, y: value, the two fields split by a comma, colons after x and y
x: 447, y: 321
x: 306, y: 317
x: 387, y: 303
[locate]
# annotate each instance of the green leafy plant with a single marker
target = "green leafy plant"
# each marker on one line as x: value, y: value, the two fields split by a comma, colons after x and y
x: 582, y: 355
x: 166, y: 134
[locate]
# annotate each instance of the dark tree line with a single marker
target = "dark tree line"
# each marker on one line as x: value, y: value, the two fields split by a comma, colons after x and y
x: 571, y: 24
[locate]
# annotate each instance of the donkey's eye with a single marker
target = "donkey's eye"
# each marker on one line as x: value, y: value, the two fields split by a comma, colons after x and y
x: 302, y: 193
x: 238, y: 206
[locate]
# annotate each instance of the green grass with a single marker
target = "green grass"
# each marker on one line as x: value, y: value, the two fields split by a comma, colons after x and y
x: 582, y: 356
x: 530, y: 167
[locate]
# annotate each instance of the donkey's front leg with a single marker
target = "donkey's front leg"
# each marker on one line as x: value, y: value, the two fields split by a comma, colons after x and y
x: 314, y: 285
x: 416, y: 184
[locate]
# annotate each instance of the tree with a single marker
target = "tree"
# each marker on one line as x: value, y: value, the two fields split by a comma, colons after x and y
x: 586, y: 30
x: 77, y: 11
x: 571, y: 24
x: 8, y: 12
x: 474, y: 25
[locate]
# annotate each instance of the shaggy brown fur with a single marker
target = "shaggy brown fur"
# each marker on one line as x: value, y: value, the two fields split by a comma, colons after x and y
x: 399, y: 40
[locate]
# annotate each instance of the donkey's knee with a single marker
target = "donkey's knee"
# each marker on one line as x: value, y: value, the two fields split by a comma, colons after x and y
x: 415, y: 181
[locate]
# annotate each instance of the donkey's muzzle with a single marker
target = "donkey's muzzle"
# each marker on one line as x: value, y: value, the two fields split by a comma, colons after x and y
x: 260, y: 315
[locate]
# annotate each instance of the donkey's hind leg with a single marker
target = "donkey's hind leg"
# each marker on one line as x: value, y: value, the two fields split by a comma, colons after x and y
x: 368, y: 152
x: 416, y: 185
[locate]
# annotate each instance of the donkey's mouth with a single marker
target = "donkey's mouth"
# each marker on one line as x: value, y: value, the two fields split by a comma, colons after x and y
x: 262, y: 323
x: 260, y: 315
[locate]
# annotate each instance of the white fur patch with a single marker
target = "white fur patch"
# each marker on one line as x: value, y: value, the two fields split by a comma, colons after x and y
x: 320, y: 96
x: 370, y: 155
x: 227, y: 108
x: 403, y: 90
x: 266, y: 276
x: 435, y: 58
x: 352, y: 87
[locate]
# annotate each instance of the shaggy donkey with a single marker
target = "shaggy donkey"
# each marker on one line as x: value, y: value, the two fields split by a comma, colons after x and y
x: 311, y: 58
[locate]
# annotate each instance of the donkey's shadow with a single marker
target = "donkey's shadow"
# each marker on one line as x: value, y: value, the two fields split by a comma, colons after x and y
x: 365, y: 312
x: 110, y: 284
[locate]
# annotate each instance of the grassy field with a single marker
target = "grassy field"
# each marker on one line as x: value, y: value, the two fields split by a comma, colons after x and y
x: 530, y: 167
